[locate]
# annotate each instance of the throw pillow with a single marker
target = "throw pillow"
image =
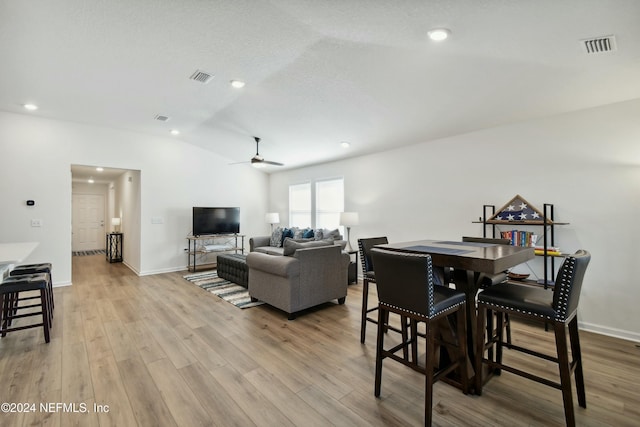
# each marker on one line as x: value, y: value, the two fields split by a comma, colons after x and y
x: 331, y: 234
x: 297, y: 232
x: 287, y: 232
x: 276, y: 238
x: 308, y: 233
x: 317, y: 234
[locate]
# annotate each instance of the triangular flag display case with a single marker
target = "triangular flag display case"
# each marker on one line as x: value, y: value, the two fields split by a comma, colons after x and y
x: 518, y: 210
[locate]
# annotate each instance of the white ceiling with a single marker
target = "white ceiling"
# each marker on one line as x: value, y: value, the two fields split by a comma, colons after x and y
x: 316, y: 72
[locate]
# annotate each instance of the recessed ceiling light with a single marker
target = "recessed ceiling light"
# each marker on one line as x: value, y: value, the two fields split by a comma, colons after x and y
x: 345, y: 144
x: 90, y: 181
x: 439, y: 34
x: 99, y: 169
x: 31, y: 107
x: 175, y: 132
x: 237, y: 84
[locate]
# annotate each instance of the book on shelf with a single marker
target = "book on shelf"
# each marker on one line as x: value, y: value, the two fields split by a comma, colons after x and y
x: 520, y: 237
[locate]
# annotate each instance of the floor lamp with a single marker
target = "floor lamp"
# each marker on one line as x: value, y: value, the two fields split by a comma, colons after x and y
x: 348, y: 219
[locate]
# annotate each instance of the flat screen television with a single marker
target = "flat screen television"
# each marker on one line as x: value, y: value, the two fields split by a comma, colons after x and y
x: 215, y: 221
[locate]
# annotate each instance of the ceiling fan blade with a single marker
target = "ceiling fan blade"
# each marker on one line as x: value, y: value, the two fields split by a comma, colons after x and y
x: 272, y: 163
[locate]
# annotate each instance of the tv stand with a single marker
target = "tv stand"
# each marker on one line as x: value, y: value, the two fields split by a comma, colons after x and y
x: 200, y: 248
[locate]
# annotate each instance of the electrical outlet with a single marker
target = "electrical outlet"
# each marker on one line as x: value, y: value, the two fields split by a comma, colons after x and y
x: 36, y: 223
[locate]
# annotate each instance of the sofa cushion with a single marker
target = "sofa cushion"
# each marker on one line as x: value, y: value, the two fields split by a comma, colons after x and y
x: 270, y: 250
x: 290, y: 245
x: 307, y: 233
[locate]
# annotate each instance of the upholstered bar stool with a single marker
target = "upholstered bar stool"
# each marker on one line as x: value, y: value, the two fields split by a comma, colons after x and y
x: 368, y: 277
x: 538, y: 305
x: 10, y: 290
x: 40, y: 268
x: 405, y: 283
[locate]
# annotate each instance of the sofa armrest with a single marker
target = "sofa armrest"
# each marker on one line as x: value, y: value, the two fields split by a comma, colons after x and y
x: 256, y: 242
x: 283, y: 266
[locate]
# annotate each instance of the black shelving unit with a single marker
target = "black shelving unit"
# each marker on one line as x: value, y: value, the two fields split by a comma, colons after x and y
x: 114, y: 247
x: 548, y: 239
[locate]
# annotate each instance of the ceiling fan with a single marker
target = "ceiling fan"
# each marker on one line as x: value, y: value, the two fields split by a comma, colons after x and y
x: 258, y: 161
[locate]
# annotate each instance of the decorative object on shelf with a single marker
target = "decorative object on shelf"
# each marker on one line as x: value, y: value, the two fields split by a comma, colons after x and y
x: 517, y: 276
x: 272, y: 218
x: 348, y: 219
x: 116, y: 224
x: 518, y: 210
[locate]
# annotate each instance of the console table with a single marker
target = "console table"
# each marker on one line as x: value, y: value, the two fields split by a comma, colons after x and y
x: 201, y: 246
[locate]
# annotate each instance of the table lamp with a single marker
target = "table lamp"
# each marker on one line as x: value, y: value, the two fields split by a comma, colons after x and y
x: 348, y: 219
x: 116, y: 224
x: 272, y: 218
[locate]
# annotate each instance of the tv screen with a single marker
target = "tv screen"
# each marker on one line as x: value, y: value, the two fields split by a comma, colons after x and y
x: 215, y: 221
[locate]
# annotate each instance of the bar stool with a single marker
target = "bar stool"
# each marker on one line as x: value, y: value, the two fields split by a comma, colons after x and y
x: 10, y: 290
x: 405, y: 285
x: 538, y: 305
x: 40, y: 268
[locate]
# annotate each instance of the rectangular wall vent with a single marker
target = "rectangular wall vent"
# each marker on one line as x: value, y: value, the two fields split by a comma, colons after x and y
x: 600, y: 44
x: 161, y: 118
x: 201, y: 76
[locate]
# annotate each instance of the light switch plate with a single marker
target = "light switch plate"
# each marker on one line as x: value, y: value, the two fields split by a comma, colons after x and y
x: 36, y: 223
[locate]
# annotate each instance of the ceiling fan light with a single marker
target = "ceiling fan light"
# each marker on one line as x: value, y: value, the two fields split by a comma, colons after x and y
x: 258, y: 165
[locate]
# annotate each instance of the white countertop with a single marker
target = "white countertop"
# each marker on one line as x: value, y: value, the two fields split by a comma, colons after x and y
x: 11, y: 253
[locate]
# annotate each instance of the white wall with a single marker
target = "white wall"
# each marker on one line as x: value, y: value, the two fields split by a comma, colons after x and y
x: 586, y: 163
x: 37, y: 156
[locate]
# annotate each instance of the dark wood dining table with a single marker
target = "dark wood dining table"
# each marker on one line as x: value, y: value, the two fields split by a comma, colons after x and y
x: 472, y: 258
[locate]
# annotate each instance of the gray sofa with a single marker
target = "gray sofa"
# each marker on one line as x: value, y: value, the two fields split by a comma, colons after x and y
x: 305, y: 275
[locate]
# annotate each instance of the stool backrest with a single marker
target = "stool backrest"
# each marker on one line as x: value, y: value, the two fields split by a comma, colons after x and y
x: 566, y: 293
x: 405, y: 280
x: 365, y: 246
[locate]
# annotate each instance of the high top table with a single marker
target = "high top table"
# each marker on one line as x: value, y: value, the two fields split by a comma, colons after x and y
x: 473, y: 258
x: 12, y: 253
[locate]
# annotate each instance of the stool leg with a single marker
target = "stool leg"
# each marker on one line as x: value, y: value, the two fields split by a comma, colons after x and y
x: 45, y: 313
x: 365, y: 301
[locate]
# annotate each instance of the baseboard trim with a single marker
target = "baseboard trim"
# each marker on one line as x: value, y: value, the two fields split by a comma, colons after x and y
x: 611, y: 332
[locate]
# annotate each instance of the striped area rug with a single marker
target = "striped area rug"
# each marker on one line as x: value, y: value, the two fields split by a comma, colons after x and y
x: 85, y: 253
x: 228, y: 291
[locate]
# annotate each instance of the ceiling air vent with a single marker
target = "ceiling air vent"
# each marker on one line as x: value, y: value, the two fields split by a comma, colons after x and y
x: 161, y: 118
x: 600, y: 44
x: 201, y: 76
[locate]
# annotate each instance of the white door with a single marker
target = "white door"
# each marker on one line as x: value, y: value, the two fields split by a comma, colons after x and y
x: 88, y: 222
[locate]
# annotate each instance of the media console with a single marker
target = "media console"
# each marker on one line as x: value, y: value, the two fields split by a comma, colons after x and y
x: 201, y: 247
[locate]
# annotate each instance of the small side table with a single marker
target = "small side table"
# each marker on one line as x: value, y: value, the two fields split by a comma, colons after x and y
x: 353, y: 269
x: 114, y: 247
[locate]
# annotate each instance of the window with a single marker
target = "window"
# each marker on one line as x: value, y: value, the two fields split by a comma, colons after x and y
x: 317, y: 206
x: 329, y: 203
x: 300, y: 205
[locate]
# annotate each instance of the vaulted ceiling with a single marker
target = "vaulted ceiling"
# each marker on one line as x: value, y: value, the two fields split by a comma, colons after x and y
x: 317, y: 73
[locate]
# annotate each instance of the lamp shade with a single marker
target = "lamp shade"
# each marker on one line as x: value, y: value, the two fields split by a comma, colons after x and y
x: 115, y: 221
x: 272, y: 218
x: 349, y: 218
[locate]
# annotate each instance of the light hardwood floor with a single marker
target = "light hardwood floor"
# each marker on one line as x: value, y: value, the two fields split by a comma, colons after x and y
x: 159, y: 351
